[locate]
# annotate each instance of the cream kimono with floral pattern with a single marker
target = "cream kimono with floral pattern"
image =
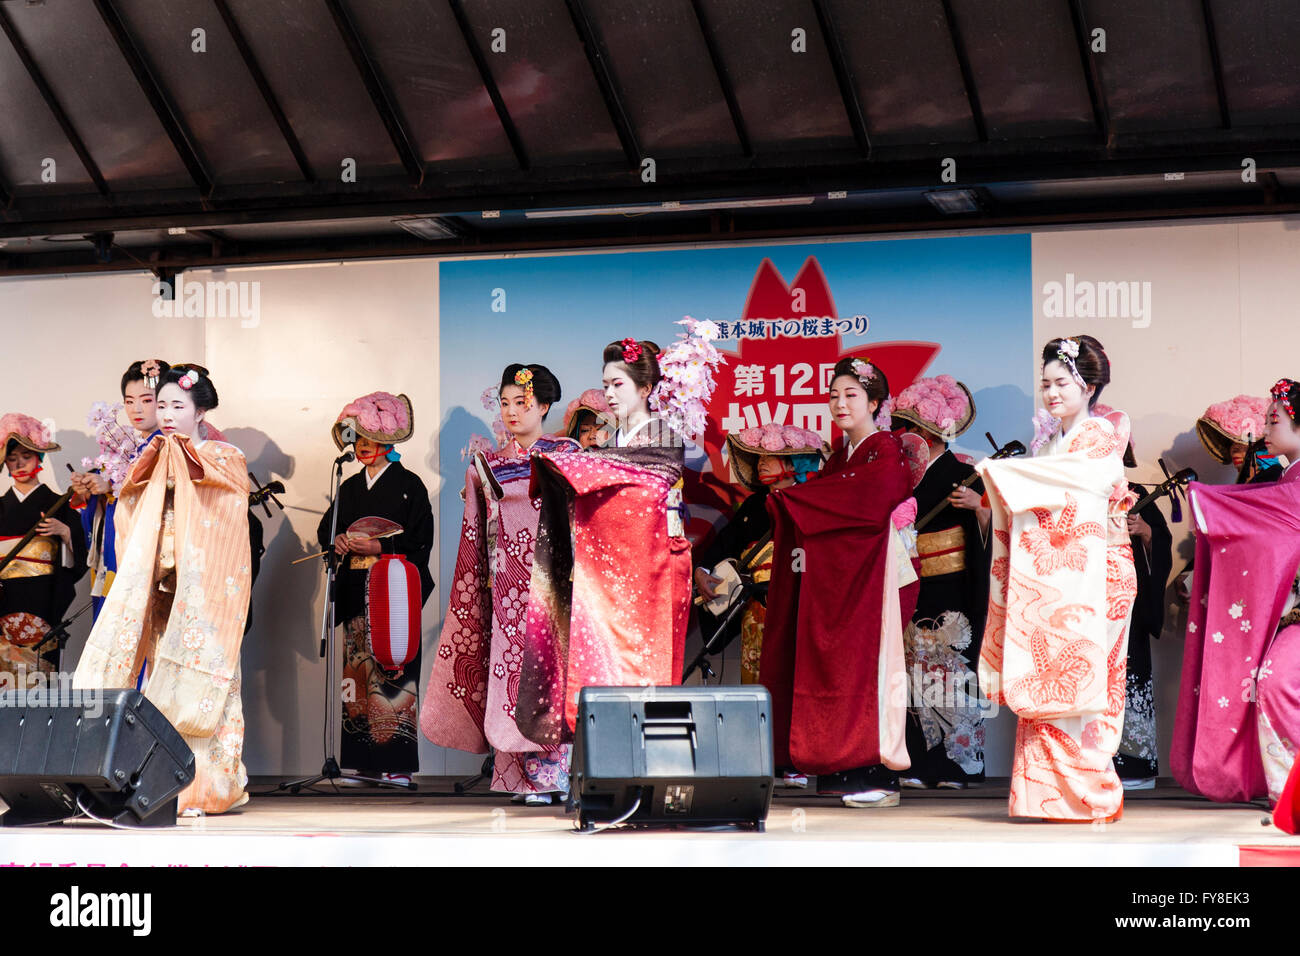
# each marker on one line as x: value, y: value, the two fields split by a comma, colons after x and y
x: 179, y: 600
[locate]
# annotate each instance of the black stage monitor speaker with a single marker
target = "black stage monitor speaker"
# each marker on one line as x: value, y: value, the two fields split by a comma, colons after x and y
x: 692, y: 755
x: 112, y: 750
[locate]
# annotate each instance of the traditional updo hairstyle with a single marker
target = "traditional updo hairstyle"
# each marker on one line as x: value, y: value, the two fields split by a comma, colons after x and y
x: 546, y: 387
x: 203, y: 393
x: 877, y: 388
x: 135, y: 373
x: 1092, y: 363
x: 644, y: 371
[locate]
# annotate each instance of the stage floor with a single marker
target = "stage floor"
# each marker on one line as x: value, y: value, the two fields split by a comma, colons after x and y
x: 434, y: 826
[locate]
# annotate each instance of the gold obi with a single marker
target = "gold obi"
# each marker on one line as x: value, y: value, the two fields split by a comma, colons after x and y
x: 362, y: 562
x: 759, y: 563
x: 942, y: 552
x: 35, y: 560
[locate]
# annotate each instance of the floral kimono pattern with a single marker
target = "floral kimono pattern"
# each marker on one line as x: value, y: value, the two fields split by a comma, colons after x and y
x: 474, y: 686
x: 179, y: 599
x: 1061, y: 591
x: 1238, y: 719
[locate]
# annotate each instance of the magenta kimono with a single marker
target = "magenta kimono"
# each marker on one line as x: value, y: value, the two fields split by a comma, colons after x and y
x: 1238, y: 717
x: 474, y: 684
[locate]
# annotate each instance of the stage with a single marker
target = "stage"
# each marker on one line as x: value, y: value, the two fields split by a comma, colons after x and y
x: 433, y: 826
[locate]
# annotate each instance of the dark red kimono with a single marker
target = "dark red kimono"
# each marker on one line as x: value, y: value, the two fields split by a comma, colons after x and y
x: 833, y: 646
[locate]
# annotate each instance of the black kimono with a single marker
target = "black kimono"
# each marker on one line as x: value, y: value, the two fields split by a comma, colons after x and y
x: 945, y: 727
x: 1138, y: 747
x: 379, y: 709
x: 36, y: 592
x: 734, y: 540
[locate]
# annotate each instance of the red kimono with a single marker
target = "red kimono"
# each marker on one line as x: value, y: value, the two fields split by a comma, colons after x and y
x: 833, y: 645
x: 610, y: 592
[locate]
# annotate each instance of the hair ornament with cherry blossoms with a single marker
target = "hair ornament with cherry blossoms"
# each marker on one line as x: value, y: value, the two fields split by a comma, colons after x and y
x: 1066, y: 353
x: 631, y: 350
x: 682, y: 396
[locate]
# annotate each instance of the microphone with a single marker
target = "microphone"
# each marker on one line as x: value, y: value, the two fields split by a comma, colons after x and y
x: 346, y: 456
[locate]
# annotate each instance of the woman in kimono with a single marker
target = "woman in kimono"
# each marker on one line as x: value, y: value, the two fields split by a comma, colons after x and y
x: 379, y: 707
x: 181, y: 591
x: 1137, y: 761
x: 842, y: 587
x: 96, y: 488
x: 763, y: 459
x: 37, y: 586
x: 1061, y: 591
x: 945, y: 727
x: 1238, y: 721
x: 474, y: 685
x: 610, y: 596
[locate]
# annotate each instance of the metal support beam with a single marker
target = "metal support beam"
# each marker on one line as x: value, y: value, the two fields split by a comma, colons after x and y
x: 605, y: 80
x: 264, y: 87
x: 52, y: 101
x: 167, y: 115
x: 1091, y: 75
x: 489, y: 84
x: 1212, y: 38
x: 967, y: 77
x: 383, y: 101
x: 848, y: 92
x: 720, y: 71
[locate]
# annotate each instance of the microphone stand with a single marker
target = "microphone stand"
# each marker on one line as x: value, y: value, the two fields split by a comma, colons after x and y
x: 723, y: 634
x: 330, y: 771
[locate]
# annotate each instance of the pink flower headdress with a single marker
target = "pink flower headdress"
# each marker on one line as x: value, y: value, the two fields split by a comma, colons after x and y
x: 382, y: 417
x: 941, y: 405
x: 1239, y: 420
x: 682, y: 396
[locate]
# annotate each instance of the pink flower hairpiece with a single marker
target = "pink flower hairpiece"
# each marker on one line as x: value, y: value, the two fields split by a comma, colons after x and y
x: 1066, y: 353
x: 189, y: 379
x: 682, y: 396
x: 1280, y: 392
x: 631, y: 350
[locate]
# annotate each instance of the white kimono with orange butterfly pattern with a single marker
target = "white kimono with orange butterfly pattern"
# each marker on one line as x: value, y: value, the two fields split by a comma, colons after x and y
x: 1056, y: 641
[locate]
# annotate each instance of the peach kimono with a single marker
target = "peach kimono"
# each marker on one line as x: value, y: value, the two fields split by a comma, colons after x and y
x: 179, y: 600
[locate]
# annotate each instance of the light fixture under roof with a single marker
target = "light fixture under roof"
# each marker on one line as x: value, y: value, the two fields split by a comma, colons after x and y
x: 954, y: 202
x: 428, y: 227
x: 642, y: 209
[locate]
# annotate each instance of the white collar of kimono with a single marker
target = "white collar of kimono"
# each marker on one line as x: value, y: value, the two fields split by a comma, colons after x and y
x: 370, y: 481
x: 22, y: 495
x: 625, y: 437
x: 851, y: 447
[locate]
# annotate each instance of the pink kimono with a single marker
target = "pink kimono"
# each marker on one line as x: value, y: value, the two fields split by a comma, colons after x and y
x: 1238, y: 719
x: 1056, y: 640
x: 474, y: 684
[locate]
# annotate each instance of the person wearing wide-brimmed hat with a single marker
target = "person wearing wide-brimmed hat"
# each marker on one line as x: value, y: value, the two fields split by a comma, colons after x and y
x: 945, y: 732
x: 380, y: 711
x: 1233, y: 433
x: 588, y: 420
x: 762, y: 458
x: 37, y: 587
